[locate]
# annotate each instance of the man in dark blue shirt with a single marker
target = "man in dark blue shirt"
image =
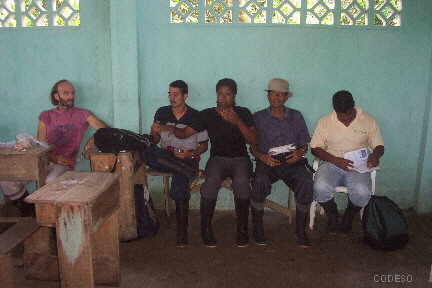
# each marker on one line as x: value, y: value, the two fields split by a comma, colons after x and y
x: 278, y: 126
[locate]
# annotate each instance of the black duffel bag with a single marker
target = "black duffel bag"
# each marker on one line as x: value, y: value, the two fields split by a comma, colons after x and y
x: 114, y: 140
x: 384, y: 224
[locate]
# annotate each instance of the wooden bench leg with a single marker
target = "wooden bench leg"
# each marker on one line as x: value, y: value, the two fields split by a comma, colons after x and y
x: 291, y: 204
x: 7, y: 272
x: 312, y: 214
x: 74, y: 246
x: 166, y: 195
x: 107, y: 253
x: 279, y: 208
x: 128, y: 225
x: 42, y: 171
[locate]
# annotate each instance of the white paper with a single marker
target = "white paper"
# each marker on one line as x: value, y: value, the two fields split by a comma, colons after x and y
x: 359, y: 158
x: 282, y: 149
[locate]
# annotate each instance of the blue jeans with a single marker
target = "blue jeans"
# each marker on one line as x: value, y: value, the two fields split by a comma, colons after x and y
x: 330, y: 176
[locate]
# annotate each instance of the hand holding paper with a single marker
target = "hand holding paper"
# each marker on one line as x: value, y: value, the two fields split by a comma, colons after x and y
x: 359, y: 159
x: 281, y: 153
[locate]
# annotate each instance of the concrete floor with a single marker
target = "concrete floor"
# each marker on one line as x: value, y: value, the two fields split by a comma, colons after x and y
x: 333, y: 260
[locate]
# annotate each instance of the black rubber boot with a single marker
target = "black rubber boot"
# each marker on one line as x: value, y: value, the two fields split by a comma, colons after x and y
x: 348, y: 217
x: 258, y: 227
x: 207, y: 208
x: 301, y: 222
x: 176, y: 166
x: 26, y: 209
x: 242, y: 211
x: 331, y: 211
x: 182, y: 217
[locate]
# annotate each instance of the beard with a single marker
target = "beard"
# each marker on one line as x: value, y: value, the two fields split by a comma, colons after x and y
x: 66, y: 103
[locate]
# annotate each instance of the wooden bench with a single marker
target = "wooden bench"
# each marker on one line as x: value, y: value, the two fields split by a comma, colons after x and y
x: 145, y: 172
x: 134, y: 171
x: 288, y: 210
x: 21, y: 229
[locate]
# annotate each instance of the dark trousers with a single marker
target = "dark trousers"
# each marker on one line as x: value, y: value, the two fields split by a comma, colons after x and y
x: 219, y: 168
x: 180, y: 189
x: 296, y: 176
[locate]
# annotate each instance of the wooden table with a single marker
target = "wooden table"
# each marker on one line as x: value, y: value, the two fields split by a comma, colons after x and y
x: 83, y: 206
x: 24, y: 166
x: 131, y: 170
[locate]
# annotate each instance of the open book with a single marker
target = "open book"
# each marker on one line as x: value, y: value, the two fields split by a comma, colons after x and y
x: 359, y: 158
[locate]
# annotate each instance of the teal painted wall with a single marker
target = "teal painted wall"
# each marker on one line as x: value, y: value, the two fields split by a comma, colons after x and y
x: 424, y: 176
x: 33, y: 59
x: 387, y: 70
x: 122, y: 59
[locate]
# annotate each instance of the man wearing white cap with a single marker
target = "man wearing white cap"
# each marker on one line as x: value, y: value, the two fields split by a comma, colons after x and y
x: 279, y: 126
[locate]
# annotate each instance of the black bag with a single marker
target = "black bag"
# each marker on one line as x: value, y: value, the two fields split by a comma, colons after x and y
x: 147, y: 222
x: 164, y: 161
x: 114, y: 140
x: 384, y: 225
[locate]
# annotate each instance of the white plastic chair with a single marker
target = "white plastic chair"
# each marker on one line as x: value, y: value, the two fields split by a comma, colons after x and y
x: 338, y: 189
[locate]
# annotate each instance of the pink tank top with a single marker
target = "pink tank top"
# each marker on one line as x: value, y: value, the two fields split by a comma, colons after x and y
x: 65, y: 130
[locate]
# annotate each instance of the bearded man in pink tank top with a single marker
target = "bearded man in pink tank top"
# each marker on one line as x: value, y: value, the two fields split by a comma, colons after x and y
x: 63, y: 128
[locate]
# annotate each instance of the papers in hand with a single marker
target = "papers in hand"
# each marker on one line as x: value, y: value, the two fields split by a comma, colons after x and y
x: 282, y: 149
x: 359, y: 158
x: 280, y: 153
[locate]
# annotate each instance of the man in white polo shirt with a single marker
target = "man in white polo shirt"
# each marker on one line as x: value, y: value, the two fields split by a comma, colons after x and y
x: 346, y: 129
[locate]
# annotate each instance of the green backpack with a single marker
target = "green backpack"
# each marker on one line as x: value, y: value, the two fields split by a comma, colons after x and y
x: 384, y: 224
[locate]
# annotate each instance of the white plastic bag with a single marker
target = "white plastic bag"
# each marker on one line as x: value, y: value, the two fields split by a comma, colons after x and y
x: 29, y: 138
x: 23, y: 142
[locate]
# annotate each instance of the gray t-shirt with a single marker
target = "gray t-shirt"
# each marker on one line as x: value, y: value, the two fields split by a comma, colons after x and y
x: 191, y: 118
x: 191, y: 143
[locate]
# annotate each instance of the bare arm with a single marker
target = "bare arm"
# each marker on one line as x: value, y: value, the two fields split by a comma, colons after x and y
x: 297, y: 154
x: 181, y: 133
x: 41, y: 132
x: 184, y: 133
x: 95, y: 122
x: 266, y: 158
x: 249, y: 132
x: 155, y: 133
x: 202, y: 147
x: 373, y: 160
